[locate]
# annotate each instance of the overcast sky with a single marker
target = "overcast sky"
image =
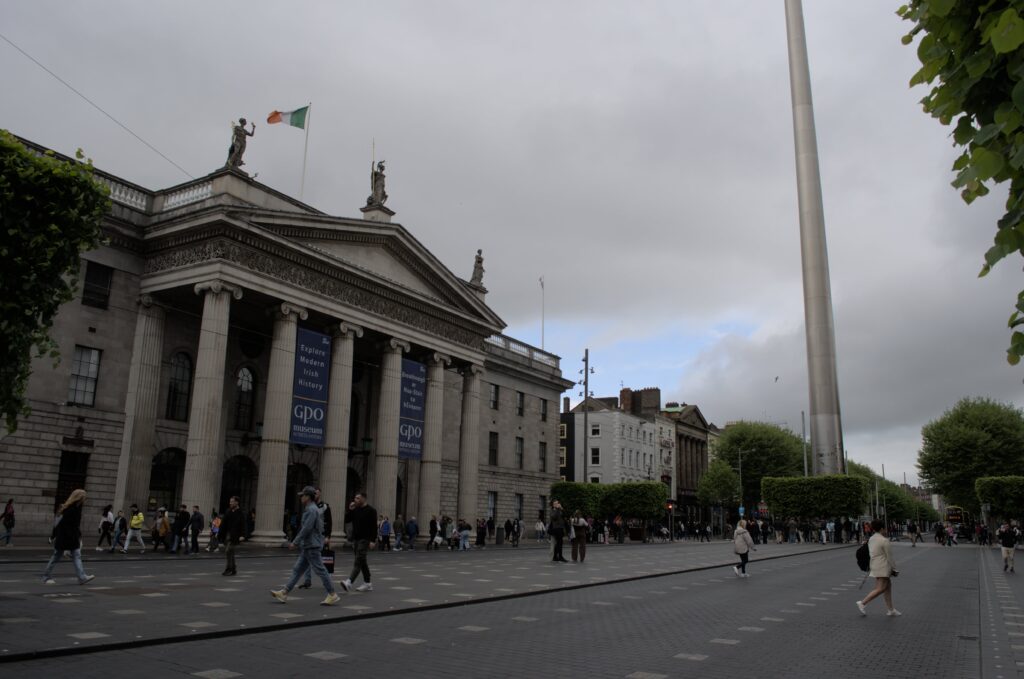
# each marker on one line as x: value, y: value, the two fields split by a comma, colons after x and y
x: 637, y: 155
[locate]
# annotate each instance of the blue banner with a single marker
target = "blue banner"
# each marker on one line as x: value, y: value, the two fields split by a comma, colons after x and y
x: 410, y: 423
x: 309, y: 389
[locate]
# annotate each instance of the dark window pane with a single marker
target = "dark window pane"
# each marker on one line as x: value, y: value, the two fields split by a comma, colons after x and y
x: 179, y: 387
x: 96, y: 288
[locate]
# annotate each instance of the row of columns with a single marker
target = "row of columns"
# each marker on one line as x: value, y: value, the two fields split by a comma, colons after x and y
x: 692, y: 461
x: 204, y: 463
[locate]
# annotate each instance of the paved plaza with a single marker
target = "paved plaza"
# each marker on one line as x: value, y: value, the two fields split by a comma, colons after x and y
x: 641, y: 611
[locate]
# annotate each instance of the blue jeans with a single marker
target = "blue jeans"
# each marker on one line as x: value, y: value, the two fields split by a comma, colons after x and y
x: 7, y: 535
x: 309, y: 558
x: 76, y: 559
x: 464, y: 540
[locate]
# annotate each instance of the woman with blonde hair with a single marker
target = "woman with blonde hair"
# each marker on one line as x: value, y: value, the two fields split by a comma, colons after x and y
x: 68, y: 537
x: 742, y: 544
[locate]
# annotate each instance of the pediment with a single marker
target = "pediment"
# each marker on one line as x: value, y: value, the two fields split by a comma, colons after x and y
x: 376, y: 258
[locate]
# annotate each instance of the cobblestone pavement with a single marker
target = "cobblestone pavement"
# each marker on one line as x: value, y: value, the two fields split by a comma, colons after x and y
x: 795, y: 617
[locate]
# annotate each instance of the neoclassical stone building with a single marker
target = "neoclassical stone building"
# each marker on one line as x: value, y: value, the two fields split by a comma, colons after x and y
x: 188, y: 346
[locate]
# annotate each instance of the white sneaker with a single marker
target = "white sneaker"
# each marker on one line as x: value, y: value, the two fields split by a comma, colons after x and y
x: 860, y: 607
x: 346, y: 584
x: 88, y: 578
x: 99, y: 549
x: 892, y: 613
x: 736, y: 570
x: 279, y: 594
x: 365, y: 587
x: 745, y: 575
x: 49, y: 581
x: 331, y: 599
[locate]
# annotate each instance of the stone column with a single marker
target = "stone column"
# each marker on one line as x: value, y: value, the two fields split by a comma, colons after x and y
x: 270, y: 500
x: 469, y: 443
x: 433, y: 423
x: 140, y: 407
x: 203, y: 463
x: 334, y: 463
x: 385, y: 464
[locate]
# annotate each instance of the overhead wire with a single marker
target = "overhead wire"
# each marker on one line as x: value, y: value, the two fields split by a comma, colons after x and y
x: 95, y: 105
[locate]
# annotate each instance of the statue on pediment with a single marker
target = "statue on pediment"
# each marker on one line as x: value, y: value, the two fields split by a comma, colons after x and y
x: 378, y: 196
x: 237, y: 148
x: 478, y: 270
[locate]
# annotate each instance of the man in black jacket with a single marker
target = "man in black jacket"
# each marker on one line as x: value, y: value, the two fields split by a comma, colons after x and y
x: 196, y: 524
x: 232, y: 528
x: 179, y: 529
x: 363, y: 518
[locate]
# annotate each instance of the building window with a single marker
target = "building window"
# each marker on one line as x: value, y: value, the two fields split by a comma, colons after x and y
x: 245, y: 399
x: 543, y: 410
x: 520, y: 403
x: 561, y: 456
x: 494, y: 397
x: 594, y: 479
x: 519, y: 452
x: 179, y: 387
x: 74, y: 468
x: 595, y: 456
x: 595, y: 430
x: 492, y: 504
x: 519, y: 506
x: 96, y: 289
x: 544, y: 506
x: 85, y: 371
x: 542, y: 452
x: 561, y: 431
x: 492, y: 448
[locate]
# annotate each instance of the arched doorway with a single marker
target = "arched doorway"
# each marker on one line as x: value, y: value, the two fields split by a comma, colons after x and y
x: 165, y: 478
x: 238, y: 478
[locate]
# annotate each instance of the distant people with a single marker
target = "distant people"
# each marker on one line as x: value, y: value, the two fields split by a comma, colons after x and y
x: 398, y: 528
x: 580, y: 530
x: 742, y: 544
x: 180, y: 529
x: 161, y: 530
x: 309, y: 540
x: 326, y: 524
x: 539, y: 530
x: 433, y: 529
x: 481, y: 533
x: 557, y: 527
x: 214, y: 543
x: 384, y: 534
x: 68, y: 538
x: 363, y: 518
x: 517, y: 530
x: 882, y: 569
x: 1008, y: 536
x: 106, y: 528
x: 232, y: 530
x: 136, y: 524
x: 915, y: 533
x: 412, y: 531
x: 8, y: 522
x: 120, y: 530
x: 508, y: 530
x: 196, y: 523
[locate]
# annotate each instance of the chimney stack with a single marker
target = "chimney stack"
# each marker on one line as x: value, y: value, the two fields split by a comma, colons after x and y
x: 565, y: 404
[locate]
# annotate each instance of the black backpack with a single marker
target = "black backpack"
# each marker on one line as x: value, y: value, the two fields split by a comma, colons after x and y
x: 863, y: 557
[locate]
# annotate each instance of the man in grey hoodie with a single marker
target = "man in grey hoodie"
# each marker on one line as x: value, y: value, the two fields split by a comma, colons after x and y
x: 310, y: 540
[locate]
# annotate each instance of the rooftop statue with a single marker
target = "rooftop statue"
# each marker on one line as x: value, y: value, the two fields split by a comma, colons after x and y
x: 478, y: 270
x: 237, y: 148
x: 377, y: 194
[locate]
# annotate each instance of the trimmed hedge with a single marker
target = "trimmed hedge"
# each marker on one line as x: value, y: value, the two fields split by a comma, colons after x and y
x: 643, y: 500
x: 833, y: 495
x: 1004, y: 493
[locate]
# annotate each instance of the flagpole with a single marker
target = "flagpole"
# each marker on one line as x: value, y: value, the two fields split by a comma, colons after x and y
x: 542, y: 313
x: 305, y: 152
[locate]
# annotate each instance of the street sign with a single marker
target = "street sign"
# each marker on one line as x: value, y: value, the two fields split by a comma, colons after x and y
x: 762, y: 507
x: 741, y: 510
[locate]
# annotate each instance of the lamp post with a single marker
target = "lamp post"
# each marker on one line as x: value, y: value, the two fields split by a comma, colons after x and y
x: 585, y: 382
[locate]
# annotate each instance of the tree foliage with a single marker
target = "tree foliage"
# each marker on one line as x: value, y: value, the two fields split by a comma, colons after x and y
x: 51, y: 212
x: 767, y: 450
x: 897, y: 502
x: 1004, y: 493
x: 970, y: 55
x: 814, y: 496
x: 973, y: 439
x: 583, y: 496
x: 720, y: 486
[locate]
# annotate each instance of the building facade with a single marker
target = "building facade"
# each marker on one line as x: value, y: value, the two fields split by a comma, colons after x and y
x: 186, y: 349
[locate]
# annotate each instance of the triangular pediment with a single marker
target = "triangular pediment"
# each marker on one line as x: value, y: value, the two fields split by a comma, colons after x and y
x: 376, y: 258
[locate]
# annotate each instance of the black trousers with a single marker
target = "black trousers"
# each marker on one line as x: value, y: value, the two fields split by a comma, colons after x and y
x: 559, y: 536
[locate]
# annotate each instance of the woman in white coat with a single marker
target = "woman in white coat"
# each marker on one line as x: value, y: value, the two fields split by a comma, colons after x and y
x: 883, y: 568
x: 742, y: 544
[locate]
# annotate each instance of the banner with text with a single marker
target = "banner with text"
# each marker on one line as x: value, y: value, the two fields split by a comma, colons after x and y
x: 309, y: 390
x: 410, y: 423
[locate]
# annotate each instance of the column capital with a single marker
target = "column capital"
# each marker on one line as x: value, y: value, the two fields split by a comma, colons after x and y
x: 218, y: 286
x: 472, y: 370
x: 148, y: 302
x: 439, y: 358
x: 286, y: 309
x: 396, y: 344
x: 344, y: 328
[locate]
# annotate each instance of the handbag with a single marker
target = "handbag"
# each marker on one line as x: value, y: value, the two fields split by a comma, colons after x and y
x: 327, y: 557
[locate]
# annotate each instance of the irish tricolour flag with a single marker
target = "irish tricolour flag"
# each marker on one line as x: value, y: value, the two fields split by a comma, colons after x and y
x: 296, y: 118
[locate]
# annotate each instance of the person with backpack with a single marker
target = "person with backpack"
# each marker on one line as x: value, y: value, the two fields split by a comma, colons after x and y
x: 880, y: 565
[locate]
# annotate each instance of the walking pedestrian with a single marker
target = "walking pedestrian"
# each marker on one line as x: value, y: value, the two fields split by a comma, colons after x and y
x: 68, y: 538
x: 432, y: 529
x: 120, y: 529
x: 539, y: 530
x: 1007, y: 536
x: 915, y: 533
x: 384, y: 533
x: 883, y: 568
x: 557, y: 527
x: 214, y: 543
x: 136, y: 524
x: 508, y: 531
x: 412, y: 531
x: 517, y: 532
x: 8, y: 522
x: 180, y: 529
x: 309, y: 540
x: 326, y: 524
x: 464, y: 530
x: 363, y: 518
x: 232, y: 529
x: 196, y: 523
x: 399, y: 529
x: 161, y: 531
x: 106, y: 527
x: 580, y: 531
x: 742, y: 544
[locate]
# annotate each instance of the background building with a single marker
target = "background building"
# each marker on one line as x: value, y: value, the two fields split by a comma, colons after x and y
x: 179, y: 373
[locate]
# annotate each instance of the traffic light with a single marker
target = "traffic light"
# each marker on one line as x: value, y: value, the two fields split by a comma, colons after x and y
x: 670, y: 505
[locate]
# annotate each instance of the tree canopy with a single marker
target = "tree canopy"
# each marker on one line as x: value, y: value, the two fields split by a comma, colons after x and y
x: 51, y: 212
x: 977, y: 437
x: 1005, y: 494
x: 970, y: 56
x: 720, y: 486
x: 767, y: 450
x: 898, y: 504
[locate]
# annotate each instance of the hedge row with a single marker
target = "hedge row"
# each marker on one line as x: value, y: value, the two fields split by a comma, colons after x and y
x: 643, y: 500
x: 833, y: 495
